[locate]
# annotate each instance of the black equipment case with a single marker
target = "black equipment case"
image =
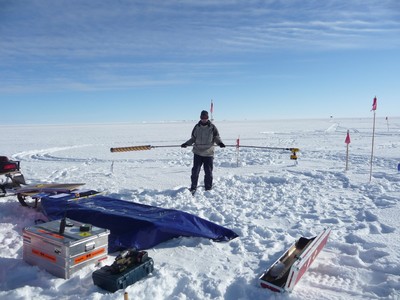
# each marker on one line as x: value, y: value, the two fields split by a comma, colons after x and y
x: 124, y: 271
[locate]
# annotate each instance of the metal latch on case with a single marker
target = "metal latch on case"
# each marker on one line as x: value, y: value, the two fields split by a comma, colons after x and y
x: 90, y: 246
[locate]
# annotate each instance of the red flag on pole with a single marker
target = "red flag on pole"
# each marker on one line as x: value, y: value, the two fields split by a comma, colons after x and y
x: 347, y: 140
x: 212, y: 107
x: 374, y: 104
x: 237, y: 143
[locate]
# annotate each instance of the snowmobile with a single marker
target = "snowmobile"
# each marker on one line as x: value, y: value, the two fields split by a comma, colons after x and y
x: 12, y: 179
x: 10, y: 175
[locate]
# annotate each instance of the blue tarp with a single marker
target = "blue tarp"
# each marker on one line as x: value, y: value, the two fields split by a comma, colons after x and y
x: 132, y: 224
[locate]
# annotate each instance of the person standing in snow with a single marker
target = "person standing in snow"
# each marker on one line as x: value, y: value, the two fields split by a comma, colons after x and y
x: 204, y: 136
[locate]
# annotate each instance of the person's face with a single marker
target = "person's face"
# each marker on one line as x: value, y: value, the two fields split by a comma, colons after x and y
x: 204, y: 120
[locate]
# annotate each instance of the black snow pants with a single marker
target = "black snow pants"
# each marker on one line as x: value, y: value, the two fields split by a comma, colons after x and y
x: 198, y: 161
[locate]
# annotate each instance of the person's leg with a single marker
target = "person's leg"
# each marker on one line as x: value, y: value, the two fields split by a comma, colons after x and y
x: 208, y: 170
x: 197, y: 162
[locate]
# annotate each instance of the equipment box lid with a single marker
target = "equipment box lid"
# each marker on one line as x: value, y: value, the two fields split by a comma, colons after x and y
x: 74, y: 233
x: 285, y: 273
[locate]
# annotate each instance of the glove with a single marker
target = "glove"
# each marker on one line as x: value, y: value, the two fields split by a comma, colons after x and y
x: 222, y: 145
x: 184, y: 145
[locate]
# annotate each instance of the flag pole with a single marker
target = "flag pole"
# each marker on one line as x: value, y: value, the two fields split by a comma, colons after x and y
x: 347, y: 141
x: 387, y: 122
x: 212, y: 110
x: 374, y: 105
x: 237, y: 151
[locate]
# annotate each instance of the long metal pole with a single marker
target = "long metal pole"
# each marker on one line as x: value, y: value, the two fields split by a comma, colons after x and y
x: 264, y: 147
x: 140, y: 148
x: 372, y: 150
x: 148, y: 147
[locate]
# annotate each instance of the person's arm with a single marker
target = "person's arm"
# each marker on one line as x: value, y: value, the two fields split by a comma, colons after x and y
x: 217, y: 138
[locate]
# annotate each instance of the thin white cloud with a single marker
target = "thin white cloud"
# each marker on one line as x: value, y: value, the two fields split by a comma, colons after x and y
x: 58, y: 38
x: 82, y: 28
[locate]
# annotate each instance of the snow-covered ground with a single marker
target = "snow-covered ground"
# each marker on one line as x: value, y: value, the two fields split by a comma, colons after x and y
x: 267, y: 199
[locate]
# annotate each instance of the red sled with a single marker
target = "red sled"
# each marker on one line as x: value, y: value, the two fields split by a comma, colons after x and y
x: 286, y: 272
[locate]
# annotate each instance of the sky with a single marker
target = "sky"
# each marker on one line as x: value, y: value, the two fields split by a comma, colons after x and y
x: 85, y: 61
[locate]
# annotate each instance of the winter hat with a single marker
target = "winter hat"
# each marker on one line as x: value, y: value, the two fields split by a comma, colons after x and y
x: 204, y: 114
